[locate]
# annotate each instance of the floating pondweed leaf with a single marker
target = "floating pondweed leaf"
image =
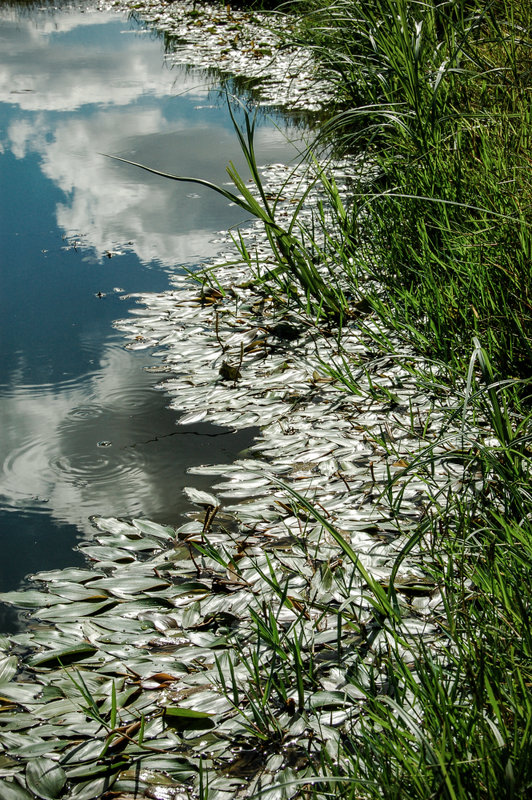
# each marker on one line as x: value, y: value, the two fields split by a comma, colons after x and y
x: 45, y: 778
x: 165, y: 532
x: 8, y: 668
x: 92, y: 789
x: 193, y: 416
x: 64, y: 656
x: 188, y: 719
x: 62, y: 575
x: 201, y: 498
x: 29, y: 599
x: 112, y: 555
x: 124, y: 586
x: 21, y: 693
x: 10, y: 790
x: 330, y: 699
x: 73, y: 610
x: 75, y: 592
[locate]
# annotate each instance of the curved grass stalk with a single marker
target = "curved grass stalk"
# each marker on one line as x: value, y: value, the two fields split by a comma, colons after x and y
x: 290, y: 252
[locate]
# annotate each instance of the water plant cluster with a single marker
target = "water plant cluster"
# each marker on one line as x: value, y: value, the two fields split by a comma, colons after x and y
x: 348, y: 614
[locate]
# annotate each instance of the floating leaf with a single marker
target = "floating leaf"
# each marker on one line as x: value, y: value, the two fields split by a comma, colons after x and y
x: 154, y: 529
x: 72, y: 610
x: 69, y: 574
x: 8, y: 668
x: 45, y: 778
x: 92, y: 789
x: 64, y: 656
x: 28, y: 599
x: 19, y: 692
x: 12, y: 791
x: 328, y: 700
x: 201, y: 498
x: 188, y: 719
x: 129, y: 584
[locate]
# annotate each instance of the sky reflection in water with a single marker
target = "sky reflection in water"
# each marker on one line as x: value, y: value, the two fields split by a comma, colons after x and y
x: 74, y: 85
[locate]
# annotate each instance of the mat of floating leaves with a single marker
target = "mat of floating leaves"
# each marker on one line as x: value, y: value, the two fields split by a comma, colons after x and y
x: 239, y: 42
x: 145, y: 672
x: 140, y: 674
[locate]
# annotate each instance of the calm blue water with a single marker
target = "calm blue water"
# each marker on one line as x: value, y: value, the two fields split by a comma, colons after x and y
x: 78, y: 232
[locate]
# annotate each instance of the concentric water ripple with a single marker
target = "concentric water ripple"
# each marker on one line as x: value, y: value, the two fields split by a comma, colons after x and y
x: 105, y: 446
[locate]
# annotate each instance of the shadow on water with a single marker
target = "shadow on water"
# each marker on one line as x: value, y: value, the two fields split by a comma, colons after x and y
x: 82, y: 429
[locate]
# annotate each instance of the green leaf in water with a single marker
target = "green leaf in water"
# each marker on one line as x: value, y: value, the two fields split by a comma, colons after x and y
x: 64, y: 656
x: 45, y: 778
x: 8, y: 668
x: 19, y: 692
x: 188, y: 719
x: 93, y: 789
x: 28, y: 599
x: 12, y: 791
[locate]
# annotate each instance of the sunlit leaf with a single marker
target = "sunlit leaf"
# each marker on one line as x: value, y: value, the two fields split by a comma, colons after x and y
x: 154, y: 529
x: 129, y: 584
x: 328, y: 700
x: 187, y: 719
x: 92, y: 789
x: 72, y: 610
x: 8, y: 668
x: 28, y: 599
x: 64, y: 656
x: 19, y: 692
x: 8, y: 765
x: 201, y: 498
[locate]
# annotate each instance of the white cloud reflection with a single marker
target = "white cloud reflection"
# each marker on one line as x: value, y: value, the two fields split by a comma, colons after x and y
x: 39, y: 75
x: 111, y: 204
x: 70, y: 98
x: 54, y: 464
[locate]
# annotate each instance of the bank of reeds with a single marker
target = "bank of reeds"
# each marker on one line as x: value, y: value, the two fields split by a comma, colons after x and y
x: 435, y: 251
x: 435, y: 98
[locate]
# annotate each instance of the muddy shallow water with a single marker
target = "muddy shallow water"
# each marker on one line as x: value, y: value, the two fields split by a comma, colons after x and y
x: 82, y: 428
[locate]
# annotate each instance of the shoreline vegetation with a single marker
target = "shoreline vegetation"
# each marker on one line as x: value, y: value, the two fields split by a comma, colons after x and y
x: 348, y: 614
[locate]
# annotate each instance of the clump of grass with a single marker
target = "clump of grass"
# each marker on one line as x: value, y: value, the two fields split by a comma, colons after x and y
x: 294, y: 266
x: 447, y: 715
x: 438, y: 97
x: 455, y: 720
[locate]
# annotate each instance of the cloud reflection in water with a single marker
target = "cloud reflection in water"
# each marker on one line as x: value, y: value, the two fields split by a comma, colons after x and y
x: 74, y: 85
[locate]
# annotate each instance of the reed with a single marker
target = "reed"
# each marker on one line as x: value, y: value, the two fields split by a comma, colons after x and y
x: 437, y: 97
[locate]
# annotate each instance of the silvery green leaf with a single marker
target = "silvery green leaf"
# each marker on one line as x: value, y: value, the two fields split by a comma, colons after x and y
x: 72, y: 610
x: 111, y: 554
x: 164, y: 532
x: 193, y: 416
x: 8, y: 668
x: 28, y: 599
x: 39, y: 749
x: 9, y: 790
x: 64, y: 656
x: 201, y: 498
x: 126, y: 586
x: 92, y: 789
x: 22, y: 693
x: 45, y: 778
x: 333, y: 699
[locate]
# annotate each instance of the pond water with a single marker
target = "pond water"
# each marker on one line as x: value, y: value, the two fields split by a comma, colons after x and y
x: 79, y: 233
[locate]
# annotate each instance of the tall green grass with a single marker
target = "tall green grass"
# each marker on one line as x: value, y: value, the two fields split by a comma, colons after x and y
x: 437, y: 96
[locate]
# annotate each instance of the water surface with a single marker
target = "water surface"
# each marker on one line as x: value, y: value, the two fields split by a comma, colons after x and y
x: 82, y: 429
